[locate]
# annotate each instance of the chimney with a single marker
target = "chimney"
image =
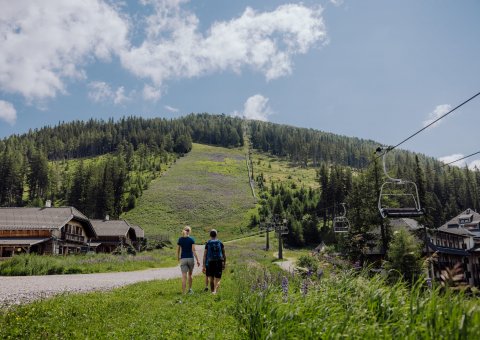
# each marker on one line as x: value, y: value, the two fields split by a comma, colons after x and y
x: 107, y: 217
x: 48, y: 204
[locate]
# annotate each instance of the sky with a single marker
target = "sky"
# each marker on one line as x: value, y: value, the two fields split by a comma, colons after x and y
x: 372, y: 69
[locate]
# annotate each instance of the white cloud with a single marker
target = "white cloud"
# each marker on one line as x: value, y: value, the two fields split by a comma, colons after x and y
x: 171, y: 108
x: 337, y: 2
x: 256, y: 107
x: 265, y: 42
x: 99, y: 91
x: 439, y: 111
x: 151, y: 93
x: 46, y: 42
x: 8, y: 112
x: 451, y: 158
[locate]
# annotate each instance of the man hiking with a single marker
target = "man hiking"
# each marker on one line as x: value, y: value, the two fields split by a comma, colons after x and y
x: 214, y: 260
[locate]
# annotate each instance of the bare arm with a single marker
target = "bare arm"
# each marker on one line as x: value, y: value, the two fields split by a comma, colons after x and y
x: 178, y: 253
x: 195, y: 254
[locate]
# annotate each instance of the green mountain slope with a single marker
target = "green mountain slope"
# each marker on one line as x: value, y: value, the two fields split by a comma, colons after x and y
x: 207, y: 188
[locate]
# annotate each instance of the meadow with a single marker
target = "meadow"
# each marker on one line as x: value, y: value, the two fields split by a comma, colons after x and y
x: 256, y: 301
x: 207, y: 188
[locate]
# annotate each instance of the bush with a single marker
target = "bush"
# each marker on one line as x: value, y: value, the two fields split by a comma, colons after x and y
x: 309, y: 262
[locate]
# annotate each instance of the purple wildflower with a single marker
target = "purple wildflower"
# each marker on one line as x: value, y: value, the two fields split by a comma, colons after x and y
x: 304, y: 287
x: 285, y: 288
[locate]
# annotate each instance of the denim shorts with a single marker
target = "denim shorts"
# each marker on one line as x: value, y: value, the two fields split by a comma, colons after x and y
x: 186, y: 265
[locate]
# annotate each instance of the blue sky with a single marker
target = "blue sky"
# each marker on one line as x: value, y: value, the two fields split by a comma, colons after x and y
x: 371, y: 69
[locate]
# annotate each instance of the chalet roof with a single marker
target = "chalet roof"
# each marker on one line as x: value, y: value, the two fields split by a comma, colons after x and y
x: 21, y: 241
x: 456, y: 231
x: 112, y: 227
x: 467, y: 214
x: 42, y: 218
x: 451, y: 251
x: 138, y: 230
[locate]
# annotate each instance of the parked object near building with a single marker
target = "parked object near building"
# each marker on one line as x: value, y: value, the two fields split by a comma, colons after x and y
x: 47, y: 230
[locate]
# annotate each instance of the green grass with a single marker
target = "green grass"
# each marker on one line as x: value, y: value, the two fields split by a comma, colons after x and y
x: 252, y: 304
x: 95, y: 263
x: 278, y: 170
x: 207, y: 188
x: 151, y: 310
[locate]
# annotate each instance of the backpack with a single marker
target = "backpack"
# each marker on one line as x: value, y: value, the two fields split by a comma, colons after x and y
x: 214, y: 250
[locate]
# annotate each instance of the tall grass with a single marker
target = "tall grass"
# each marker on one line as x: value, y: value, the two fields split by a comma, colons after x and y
x: 351, y: 306
x: 30, y: 264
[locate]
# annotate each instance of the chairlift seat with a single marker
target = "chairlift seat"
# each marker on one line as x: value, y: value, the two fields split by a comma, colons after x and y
x: 401, y: 212
x: 341, y: 224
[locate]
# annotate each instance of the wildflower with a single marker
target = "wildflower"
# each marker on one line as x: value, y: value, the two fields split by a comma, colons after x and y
x: 304, y: 287
x: 285, y: 288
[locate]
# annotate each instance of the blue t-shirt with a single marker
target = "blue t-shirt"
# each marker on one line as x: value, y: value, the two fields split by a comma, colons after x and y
x: 186, y: 244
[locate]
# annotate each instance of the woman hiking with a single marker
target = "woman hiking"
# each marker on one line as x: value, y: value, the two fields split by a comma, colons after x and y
x: 185, y: 253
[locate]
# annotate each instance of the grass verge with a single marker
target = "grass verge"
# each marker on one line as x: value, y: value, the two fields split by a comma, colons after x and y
x: 84, y: 264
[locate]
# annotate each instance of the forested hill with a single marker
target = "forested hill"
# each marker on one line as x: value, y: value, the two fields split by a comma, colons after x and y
x: 96, y: 137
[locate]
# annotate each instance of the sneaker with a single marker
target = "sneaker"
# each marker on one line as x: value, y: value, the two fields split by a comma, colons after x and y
x: 206, y: 289
x: 190, y: 291
x: 214, y: 293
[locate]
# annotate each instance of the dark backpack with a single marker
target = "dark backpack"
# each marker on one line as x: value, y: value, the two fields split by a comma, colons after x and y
x: 214, y: 250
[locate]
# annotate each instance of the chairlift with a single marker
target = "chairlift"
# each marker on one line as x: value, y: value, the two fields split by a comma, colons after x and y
x: 340, y: 222
x: 398, y: 197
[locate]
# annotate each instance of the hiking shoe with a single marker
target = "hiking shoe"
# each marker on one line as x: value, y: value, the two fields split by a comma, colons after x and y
x: 206, y: 289
x: 190, y: 291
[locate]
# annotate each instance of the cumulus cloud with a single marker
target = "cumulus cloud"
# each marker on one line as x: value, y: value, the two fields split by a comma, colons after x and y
x: 439, y: 111
x: 46, y: 42
x: 151, y: 93
x: 256, y: 107
x: 99, y: 91
x: 8, y: 112
x: 263, y: 41
x: 171, y: 108
x: 336, y: 2
x: 450, y: 158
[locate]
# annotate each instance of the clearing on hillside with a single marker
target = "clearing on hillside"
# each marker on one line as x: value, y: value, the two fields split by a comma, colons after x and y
x: 207, y: 188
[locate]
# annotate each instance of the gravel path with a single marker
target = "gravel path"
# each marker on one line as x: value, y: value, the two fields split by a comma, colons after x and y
x: 25, y: 289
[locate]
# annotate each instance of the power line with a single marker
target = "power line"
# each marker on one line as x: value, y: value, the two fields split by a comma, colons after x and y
x: 425, y: 127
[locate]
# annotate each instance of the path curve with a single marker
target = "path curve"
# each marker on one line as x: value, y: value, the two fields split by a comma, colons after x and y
x: 25, y: 289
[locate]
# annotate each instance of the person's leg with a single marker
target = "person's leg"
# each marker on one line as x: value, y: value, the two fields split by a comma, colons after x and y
x: 212, y: 284
x: 217, y: 284
x: 206, y: 283
x: 184, y: 281
x: 190, y: 279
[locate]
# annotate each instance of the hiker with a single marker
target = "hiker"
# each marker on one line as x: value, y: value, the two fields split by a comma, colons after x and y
x: 214, y: 259
x: 185, y: 253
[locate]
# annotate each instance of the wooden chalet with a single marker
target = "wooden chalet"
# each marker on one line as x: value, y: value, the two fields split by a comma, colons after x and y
x: 112, y: 234
x: 458, y: 241
x: 46, y: 230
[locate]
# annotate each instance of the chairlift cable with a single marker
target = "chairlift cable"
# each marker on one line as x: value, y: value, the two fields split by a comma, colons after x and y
x: 425, y: 127
x: 472, y: 154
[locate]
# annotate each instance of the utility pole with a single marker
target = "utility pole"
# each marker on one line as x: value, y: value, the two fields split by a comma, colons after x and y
x: 268, y: 227
x: 280, y: 230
